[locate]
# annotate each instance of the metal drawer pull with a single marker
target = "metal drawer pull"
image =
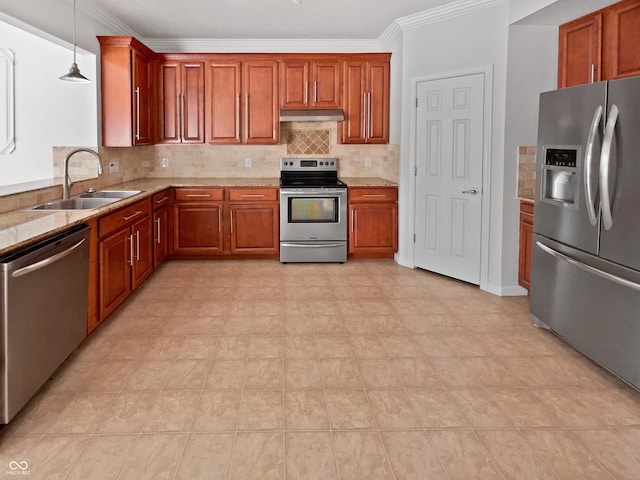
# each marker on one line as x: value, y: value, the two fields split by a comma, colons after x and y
x: 198, y: 195
x: 374, y: 195
x: 131, y: 216
x: 297, y: 245
x: 164, y: 199
x: 252, y: 195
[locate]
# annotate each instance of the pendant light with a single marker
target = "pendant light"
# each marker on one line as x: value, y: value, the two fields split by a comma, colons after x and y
x: 74, y: 74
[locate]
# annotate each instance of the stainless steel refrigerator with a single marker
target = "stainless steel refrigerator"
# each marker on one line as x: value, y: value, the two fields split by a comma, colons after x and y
x: 585, y: 269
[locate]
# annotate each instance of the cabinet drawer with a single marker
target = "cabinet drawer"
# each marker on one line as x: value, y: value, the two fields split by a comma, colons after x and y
x: 526, y: 207
x: 114, y: 221
x: 199, y: 194
x: 373, y: 194
x: 161, y: 198
x: 253, y: 194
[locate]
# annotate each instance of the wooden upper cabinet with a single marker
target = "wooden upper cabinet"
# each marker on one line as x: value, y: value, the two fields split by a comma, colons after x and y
x: 580, y: 51
x: 603, y: 45
x: 126, y: 83
x: 259, y: 112
x: 222, y: 96
x: 366, y: 101
x: 622, y: 39
x: 181, y: 106
x: 310, y: 84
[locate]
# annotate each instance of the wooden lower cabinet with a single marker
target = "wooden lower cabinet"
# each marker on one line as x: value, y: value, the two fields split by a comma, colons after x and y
x: 197, y: 221
x: 254, y: 220
x: 161, y: 232
x: 125, y: 254
x: 373, y: 222
x: 526, y: 243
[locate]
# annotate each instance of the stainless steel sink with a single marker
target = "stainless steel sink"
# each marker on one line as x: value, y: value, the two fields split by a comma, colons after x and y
x: 77, y: 203
x: 88, y: 200
x: 110, y: 194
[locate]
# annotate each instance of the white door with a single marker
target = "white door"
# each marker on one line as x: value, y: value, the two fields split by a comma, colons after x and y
x: 449, y: 157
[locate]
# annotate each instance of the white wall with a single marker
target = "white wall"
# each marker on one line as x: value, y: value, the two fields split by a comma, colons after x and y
x: 532, y: 69
x: 475, y: 40
x: 48, y: 111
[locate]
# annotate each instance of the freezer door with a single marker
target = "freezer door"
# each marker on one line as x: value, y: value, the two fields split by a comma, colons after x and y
x: 619, y: 243
x: 589, y: 302
x: 566, y: 120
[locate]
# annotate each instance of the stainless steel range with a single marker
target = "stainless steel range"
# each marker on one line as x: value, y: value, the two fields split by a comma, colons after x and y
x: 313, y: 211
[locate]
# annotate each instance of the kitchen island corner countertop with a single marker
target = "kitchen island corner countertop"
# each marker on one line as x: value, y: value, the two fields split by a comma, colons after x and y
x: 19, y: 228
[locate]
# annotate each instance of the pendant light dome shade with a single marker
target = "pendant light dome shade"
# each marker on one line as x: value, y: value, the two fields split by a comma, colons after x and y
x: 74, y: 74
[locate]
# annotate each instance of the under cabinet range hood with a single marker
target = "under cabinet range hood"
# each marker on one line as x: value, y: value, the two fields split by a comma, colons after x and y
x: 304, y: 115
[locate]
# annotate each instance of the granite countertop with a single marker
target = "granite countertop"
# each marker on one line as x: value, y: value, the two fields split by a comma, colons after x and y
x: 368, y: 182
x: 20, y: 228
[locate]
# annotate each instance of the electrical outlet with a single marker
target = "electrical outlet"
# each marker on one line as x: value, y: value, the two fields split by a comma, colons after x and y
x: 114, y: 167
x: 247, y: 162
x: 367, y: 162
x: 165, y: 162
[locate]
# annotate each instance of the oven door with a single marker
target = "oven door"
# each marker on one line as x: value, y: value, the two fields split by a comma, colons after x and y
x: 313, y: 214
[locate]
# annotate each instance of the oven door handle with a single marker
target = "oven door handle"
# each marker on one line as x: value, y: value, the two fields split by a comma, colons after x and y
x: 312, y: 195
x: 312, y: 245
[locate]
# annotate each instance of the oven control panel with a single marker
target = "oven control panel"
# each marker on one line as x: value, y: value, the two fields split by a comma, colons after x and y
x: 309, y: 164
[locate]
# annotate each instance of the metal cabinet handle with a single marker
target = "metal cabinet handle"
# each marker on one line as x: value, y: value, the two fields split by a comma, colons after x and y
x: 198, y: 195
x: 231, y: 212
x: 374, y: 195
x: 593, y: 72
x: 588, y: 164
x: 137, y: 245
x: 365, y: 114
x: 306, y: 93
x: 132, y: 215
x: 183, y: 121
x: 472, y: 191
x: 246, y: 117
x: 137, y: 113
x: 158, y: 240
x: 315, y: 91
x: 605, y: 163
x: 220, y: 219
x: 369, y: 115
x: 179, y: 114
x: 131, y: 250
x: 252, y: 195
x: 162, y: 200
x: 238, y: 125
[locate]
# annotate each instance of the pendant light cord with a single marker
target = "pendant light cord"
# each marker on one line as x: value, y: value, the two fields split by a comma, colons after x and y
x: 74, y: 31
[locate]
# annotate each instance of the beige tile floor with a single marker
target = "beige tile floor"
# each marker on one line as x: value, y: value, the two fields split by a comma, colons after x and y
x: 253, y: 370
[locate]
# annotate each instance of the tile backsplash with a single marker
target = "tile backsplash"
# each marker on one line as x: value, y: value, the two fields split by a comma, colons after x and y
x: 188, y: 161
x: 526, y: 172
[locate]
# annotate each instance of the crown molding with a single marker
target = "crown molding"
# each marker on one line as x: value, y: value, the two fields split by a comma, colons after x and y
x: 253, y: 45
x: 446, y: 12
x: 114, y: 25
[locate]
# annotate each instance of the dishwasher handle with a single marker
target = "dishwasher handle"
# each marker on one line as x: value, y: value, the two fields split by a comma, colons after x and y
x: 47, y: 261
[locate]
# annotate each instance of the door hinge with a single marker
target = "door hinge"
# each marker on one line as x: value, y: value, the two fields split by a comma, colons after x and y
x: 415, y: 171
x: 416, y: 102
x: 414, y: 238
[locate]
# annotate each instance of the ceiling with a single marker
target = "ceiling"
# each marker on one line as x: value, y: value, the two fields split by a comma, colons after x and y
x: 258, y: 19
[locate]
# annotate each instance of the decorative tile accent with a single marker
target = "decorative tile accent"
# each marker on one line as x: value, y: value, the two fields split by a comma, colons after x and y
x: 308, y: 142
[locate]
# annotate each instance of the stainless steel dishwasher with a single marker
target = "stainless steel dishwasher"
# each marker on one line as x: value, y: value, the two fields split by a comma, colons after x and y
x: 44, y: 313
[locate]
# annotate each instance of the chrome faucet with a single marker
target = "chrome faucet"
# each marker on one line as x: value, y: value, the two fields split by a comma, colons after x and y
x: 66, y: 185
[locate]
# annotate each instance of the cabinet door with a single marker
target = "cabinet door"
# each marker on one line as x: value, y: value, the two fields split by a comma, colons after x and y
x: 622, y: 39
x: 169, y: 108
x: 160, y: 235
x: 192, y: 102
x: 142, y: 237
x: 197, y: 228
x: 524, y: 254
x: 580, y: 51
x: 142, y: 132
x: 261, y: 123
x: 377, y: 108
x: 294, y: 84
x: 354, y: 82
x: 115, y: 271
x: 374, y: 228
x: 254, y: 228
x: 223, y: 102
x: 326, y: 84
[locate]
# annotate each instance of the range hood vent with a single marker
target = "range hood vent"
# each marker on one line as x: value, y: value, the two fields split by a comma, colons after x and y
x: 326, y: 115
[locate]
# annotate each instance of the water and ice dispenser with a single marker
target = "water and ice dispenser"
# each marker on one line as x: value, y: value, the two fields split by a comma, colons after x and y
x: 560, y: 175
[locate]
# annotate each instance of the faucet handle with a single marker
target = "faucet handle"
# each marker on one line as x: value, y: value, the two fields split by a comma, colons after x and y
x: 91, y: 190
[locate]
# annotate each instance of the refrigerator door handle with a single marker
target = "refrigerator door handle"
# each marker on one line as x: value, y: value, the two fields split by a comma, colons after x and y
x: 589, y: 268
x: 588, y: 165
x: 605, y: 162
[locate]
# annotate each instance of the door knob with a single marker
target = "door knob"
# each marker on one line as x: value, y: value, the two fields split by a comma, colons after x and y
x: 472, y: 191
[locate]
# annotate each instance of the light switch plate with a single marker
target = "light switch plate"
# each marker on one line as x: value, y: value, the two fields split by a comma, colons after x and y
x: 248, y: 162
